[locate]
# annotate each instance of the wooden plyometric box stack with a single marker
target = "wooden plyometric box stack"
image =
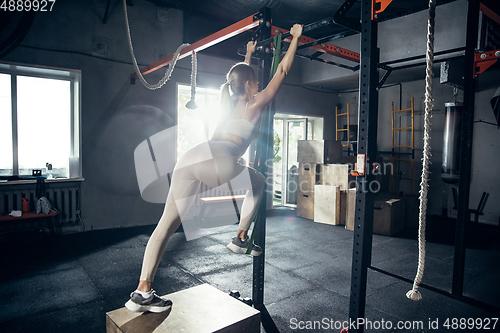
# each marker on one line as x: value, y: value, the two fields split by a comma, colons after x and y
x: 308, y: 178
x: 316, y: 158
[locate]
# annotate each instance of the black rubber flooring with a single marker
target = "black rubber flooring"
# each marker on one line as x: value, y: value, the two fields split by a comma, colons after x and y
x: 68, y: 283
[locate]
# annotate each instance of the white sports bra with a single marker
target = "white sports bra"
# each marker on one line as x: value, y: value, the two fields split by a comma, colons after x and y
x: 241, y: 127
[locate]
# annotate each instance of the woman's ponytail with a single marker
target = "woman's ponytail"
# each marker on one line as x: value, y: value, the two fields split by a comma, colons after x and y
x: 225, y: 100
x: 235, y: 85
x: 226, y: 105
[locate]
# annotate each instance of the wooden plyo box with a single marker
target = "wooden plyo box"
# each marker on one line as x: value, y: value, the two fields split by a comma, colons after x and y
x: 343, y: 207
x: 308, y: 178
x: 319, y: 151
x: 327, y: 204
x: 305, y: 204
x: 201, y: 309
x: 336, y: 175
x: 389, y: 216
x: 350, y: 209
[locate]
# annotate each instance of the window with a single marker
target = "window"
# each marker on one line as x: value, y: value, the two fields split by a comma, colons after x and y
x: 197, y: 126
x: 39, y: 121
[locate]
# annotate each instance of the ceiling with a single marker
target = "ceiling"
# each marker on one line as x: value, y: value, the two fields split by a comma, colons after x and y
x: 204, y: 17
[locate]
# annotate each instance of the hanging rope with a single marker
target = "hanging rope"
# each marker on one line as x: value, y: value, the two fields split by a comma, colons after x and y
x: 414, y: 294
x: 191, y: 104
x: 166, y: 77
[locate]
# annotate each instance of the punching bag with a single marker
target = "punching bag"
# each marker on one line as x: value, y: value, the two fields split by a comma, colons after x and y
x: 450, y: 167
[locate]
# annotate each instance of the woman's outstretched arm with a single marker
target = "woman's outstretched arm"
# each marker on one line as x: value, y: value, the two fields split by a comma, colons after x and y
x: 267, y: 95
x: 250, y: 50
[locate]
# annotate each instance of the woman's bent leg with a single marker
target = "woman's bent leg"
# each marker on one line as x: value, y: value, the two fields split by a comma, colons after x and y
x: 252, y: 199
x: 249, y: 208
x: 182, y: 193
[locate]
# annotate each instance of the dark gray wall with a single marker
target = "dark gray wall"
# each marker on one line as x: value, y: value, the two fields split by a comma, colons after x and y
x: 399, y: 38
x: 117, y: 116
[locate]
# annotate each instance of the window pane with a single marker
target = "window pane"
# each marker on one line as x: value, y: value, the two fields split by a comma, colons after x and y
x: 199, y: 124
x: 192, y: 124
x: 43, y: 115
x: 5, y: 126
x: 212, y: 107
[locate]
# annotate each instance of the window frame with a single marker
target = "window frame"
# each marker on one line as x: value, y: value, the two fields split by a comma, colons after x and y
x: 75, y: 78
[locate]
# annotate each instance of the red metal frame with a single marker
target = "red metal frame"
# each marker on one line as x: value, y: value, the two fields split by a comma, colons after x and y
x: 484, y: 60
x: 383, y: 6
x: 490, y: 13
x: 323, y: 47
x: 215, y: 38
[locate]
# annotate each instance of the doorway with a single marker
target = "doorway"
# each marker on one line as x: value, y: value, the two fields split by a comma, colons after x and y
x: 288, y: 130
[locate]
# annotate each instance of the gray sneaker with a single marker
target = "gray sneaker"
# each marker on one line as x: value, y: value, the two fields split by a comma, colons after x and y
x: 240, y: 247
x: 137, y: 303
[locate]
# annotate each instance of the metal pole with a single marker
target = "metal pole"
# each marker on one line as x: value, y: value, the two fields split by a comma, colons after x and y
x: 15, y: 136
x: 264, y: 16
x: 367, y: 144
x: 463, y: 215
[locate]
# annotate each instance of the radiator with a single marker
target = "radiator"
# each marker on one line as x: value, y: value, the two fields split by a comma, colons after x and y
x: 65, y: 199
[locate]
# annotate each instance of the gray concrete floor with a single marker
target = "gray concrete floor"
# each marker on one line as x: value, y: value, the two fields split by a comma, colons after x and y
x: 68, y: 283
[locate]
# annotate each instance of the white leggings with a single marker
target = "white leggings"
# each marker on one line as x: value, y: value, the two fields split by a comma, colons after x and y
x: 213, y: 163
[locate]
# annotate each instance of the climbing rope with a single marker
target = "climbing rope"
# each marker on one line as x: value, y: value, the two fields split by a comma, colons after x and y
x: 166, y: 77
x: 191, y: 104
x: 414, y: 294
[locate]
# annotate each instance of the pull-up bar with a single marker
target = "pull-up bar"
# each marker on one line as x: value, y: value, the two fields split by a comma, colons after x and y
x: 305, y: 28
x: 320, y: 47
x: 307, y: 42
x: 250, y: 23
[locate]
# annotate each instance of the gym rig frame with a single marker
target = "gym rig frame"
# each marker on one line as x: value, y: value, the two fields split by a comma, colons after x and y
x: 367, y: 134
